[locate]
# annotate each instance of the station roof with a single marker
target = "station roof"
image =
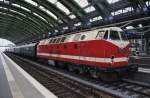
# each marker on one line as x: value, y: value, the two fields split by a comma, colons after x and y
x: 32, y: 20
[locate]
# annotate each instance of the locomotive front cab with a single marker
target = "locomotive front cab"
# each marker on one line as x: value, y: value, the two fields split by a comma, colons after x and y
x: 118, y: 38
x: 116, y: 46
x: 120, y: 53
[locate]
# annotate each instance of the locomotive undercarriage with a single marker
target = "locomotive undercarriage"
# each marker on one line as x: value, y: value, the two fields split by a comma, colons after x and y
x: 105, y: 74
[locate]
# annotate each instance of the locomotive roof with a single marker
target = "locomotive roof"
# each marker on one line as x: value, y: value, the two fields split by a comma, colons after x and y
x: 109, y: 28
x: 90, y: 35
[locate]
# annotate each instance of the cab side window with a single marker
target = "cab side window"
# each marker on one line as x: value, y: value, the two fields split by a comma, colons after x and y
x: 63, y: 39
x: 106, y: 35
x: 100, y: 34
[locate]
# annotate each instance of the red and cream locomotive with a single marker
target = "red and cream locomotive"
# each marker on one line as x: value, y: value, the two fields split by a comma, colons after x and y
x: 98, y: 51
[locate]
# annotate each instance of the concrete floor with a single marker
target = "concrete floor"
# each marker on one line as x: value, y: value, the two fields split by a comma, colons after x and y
x: 16, y: 83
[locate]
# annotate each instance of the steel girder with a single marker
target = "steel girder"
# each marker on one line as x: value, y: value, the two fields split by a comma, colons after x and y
x: 20, y: 22
x: 17, y: 24
x: 19, y: 31
x: 28, y: 14
x: 102, y: 6
x: 35, y: 9
x: 37, y: 24
x: 137, y: 3
x: 119, y: 5
x: 52, y: 8
x: 74, y: 8
x: 25, y: 19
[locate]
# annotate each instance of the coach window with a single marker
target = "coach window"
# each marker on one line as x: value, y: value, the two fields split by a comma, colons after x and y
x: 51, y: 41
x: 54, y: 40
x: 63, y: 39
x: 77, y: 37
x: 58, y: 40
x: 83, y: 37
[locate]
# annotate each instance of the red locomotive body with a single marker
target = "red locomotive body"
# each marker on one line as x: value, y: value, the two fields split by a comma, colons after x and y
x: 103, y: 49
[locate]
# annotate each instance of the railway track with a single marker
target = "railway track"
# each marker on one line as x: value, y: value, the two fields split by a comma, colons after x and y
x: 67, y: 85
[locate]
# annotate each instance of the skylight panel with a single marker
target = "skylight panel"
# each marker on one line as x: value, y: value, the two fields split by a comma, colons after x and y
x: 72, y: 16
x: 16, y: 12
x: 60, y: 21
x: 4, y: 8
x: 82, y: 3
x: 112, y: 1
x: 48, y: 12
x: 129, y: 27
x: 118, y: 12
x: 96, y: 19
x: 128, y: 9
x: 113, y: 13
x: 77, y: 24
x: 51, y: 14
x: 15, y: 5
x: 90, y: 9
x: 65, y: 28
x: 62, y: 7
x: 56, y: 31
x: 6, y: 1
x: 41, y: 7
x: 32, y: 2
x: 52, y: 1
x: 125, y: 10
x: 147, y: 3
x: 39, y: 16
x: 140, y: 25
x: 25, y: 8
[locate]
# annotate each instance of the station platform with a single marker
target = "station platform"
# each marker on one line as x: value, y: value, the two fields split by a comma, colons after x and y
x: 143, y: 60
x: 17, y: 83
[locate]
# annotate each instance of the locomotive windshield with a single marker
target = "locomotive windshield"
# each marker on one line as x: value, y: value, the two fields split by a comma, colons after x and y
x: 123, y: 36
x: 114, y: 35
x: 117, y: 35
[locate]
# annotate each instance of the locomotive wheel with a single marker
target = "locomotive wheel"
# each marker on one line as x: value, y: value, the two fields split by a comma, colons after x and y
x: 94, y: 74
x: 70, y: 68
x: 109, y: 77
